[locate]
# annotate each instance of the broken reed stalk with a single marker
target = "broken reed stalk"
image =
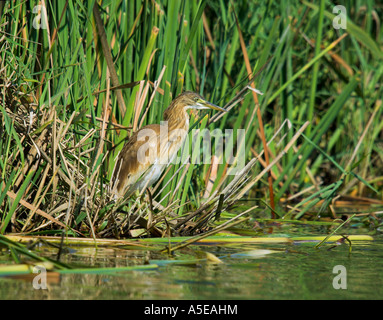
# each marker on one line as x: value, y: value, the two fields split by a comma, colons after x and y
x: 276, y: 159
x: 333, y: 232
x: 230, y: 223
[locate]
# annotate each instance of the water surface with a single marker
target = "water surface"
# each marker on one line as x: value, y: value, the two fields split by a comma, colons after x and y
x: 249, y: 271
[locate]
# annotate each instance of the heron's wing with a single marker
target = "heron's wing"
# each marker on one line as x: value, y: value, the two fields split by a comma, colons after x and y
x: 136, y: 157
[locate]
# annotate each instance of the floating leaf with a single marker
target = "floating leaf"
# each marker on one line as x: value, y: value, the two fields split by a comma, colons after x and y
x: 257, y: 253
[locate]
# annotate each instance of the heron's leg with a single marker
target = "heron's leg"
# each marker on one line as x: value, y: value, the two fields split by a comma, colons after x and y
x: 149, y: 226
x: 150, y: 200
x: 151, y: 215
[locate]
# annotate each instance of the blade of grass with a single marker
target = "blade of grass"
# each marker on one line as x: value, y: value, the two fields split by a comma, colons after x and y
x: 16, y: 202
x: 259, y: 115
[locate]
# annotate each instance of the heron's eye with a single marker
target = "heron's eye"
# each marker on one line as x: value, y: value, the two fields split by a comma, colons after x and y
x: 195, y: 99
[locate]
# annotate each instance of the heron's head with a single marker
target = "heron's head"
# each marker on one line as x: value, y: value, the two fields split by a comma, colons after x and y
x: 190, y: 100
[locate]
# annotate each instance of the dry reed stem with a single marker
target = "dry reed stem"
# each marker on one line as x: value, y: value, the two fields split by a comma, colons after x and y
x: 156, y: 88
x: 276, y: 159
x: 31, y: 207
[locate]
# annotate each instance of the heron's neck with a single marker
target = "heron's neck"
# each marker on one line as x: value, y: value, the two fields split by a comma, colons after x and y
x: 178, y: 120
x: 177, y: 131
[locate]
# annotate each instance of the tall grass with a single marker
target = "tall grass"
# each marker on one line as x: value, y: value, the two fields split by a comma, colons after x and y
x: 75, y: 88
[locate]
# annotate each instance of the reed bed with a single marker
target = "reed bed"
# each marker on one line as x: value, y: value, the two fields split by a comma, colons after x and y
x: 78, y: 77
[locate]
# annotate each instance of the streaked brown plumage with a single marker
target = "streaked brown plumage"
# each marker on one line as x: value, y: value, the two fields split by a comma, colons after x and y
x: 150, y: 149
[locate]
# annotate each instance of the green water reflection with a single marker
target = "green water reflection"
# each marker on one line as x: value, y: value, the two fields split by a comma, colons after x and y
x: 294, y: 271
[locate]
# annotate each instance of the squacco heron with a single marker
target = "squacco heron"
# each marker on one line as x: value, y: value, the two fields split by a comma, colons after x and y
x: 151, y: 149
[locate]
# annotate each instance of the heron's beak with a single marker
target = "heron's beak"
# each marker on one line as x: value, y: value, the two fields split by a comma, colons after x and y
x: 208, y: 105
